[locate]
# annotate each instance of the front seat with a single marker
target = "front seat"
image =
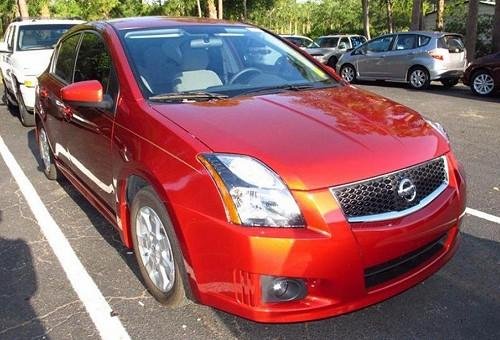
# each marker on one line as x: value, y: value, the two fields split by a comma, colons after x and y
x: 194, y: 75
x: 158, y: 68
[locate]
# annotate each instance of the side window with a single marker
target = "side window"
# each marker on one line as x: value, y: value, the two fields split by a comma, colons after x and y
x: 345, y: 42
x: 66, y: 58
x: 381, y: 44
x: 94, y: 63
x: 406, y: 42
x: 423, y: 40
x: 10, y: 38
x: 357, y: 41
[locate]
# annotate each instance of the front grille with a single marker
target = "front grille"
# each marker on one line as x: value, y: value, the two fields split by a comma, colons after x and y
x: 389, y: 270
x: 378, y: 198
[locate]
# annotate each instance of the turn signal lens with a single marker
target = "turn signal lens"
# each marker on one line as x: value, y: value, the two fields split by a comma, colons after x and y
x: 436, y: 55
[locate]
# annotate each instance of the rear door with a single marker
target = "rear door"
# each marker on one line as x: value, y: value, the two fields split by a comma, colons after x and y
x: 91, y: 128
x: 401, y: 56
x: 60, y: 75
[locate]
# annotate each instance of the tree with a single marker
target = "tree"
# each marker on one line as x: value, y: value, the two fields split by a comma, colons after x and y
x: 212, y: 11
x: 390, y: 18
x: 440, y: 15
x: 471, y: 30
x: 496, y: 28
x: 23, y: 8
x: 415, y: 15
x: 219, y: 10
x: 365, y: 4
x: 198, y: 6
x: 244, y: 9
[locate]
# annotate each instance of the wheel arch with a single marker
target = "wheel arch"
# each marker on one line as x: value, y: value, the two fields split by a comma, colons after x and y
x: 411, y: 68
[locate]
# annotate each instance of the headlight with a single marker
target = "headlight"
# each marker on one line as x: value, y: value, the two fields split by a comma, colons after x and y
x: 439, y: 128
x: 253, y: 194
x: 30, y: 82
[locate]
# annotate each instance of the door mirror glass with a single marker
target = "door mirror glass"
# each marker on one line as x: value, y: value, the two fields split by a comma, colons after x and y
x: 88, y: 93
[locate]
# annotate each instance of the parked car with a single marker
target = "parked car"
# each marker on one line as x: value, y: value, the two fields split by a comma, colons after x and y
x: 299, y: 40
x: 331, y: 47
x: 273, y: 191
x: 413, y: 57
x: 483, y: 75
x: 24, y: 54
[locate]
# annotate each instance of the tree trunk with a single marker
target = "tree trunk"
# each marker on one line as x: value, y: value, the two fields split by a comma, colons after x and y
x: 415, y: 15
x: 390, y: 19
x: 471, y: 30
x: 212, y: 11
x: 219, y: 10
x: 366, y: 18
x: 440, y: 15
x: 496, y: 28
x: 244, y: 10
x: 23, y: 8
x: 198, y: 5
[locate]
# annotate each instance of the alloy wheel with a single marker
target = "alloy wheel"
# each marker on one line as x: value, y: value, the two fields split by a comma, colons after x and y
x: 483, y: 84
x: 347, y: 73
x: 44, y: 149
x: 155, y: 249
x: 418, y: 78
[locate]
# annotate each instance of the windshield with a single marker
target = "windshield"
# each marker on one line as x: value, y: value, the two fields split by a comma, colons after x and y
x: 40, y: 37
x: 222, y: 60
x: 327, y: 42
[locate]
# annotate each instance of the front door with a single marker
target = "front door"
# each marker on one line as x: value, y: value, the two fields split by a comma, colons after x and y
x: 372, y: 63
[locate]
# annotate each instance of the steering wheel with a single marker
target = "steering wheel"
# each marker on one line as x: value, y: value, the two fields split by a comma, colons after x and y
x: 243, y: 72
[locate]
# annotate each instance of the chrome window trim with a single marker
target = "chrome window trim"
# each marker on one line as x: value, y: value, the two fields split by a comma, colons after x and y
x: 397, y: 214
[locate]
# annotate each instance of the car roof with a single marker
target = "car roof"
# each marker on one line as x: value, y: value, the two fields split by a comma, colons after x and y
x: 28, y: 22
x: 294, y: 36
x: 434, y: 34
x: 159, y: 21
x: 339, y: 35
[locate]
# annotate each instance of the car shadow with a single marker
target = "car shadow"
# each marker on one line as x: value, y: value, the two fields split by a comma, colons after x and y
x: 18, y: 284
x: 458, y: 91
x: 103, y: 227
x: 447, y: 304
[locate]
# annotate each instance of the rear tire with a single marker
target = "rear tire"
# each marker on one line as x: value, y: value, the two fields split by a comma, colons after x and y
x: 482, y: 83
x: 157, y: 250
x: 348, y: 73
x: 27, y: 119
x: 449, y: 82
x: 418, y: 78
x: 48, y: 164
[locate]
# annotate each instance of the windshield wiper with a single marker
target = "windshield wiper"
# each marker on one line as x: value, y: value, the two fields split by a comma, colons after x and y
x: 187, y: 96
x: 271, y: 89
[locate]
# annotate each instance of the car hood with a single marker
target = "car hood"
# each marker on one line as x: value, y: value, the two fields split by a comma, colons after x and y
x: 316, y: 138
x: 32, y: 63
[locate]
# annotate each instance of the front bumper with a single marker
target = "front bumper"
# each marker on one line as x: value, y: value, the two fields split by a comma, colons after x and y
x: 331, y: 255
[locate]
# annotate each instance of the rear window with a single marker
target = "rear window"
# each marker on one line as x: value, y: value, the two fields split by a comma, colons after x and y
x: 452, y: 43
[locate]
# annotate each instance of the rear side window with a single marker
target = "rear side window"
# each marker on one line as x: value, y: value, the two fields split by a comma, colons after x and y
x: 453, y: 43
x: 66, y: 58
x: 406, y: 42
x: 423, y: 40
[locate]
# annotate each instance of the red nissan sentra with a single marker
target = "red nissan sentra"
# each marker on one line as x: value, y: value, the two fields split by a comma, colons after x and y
x: 245, y: 175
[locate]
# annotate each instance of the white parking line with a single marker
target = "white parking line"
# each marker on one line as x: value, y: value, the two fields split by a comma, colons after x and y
x: 483, y: 215
x: 109, y: 327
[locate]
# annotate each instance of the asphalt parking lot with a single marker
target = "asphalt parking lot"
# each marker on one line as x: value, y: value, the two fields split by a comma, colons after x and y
x: 462, y: 301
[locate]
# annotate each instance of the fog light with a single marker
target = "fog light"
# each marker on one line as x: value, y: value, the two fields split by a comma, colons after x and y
x: 280, y: 289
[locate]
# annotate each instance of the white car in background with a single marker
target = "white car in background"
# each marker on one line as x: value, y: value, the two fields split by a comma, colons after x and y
x: 25, y: 53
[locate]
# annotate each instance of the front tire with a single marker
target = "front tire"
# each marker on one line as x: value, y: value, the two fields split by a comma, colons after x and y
x: 157, y: 250
x: 27, y: 119
x: 48, y: 164
x: 348, y: 73
x: 418, y: 78
x: 482, y: 84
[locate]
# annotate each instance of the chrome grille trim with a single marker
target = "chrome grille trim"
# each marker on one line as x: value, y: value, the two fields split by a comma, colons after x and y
x: 396, y: 214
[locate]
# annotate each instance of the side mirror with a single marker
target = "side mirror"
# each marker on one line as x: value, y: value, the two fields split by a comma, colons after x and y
x: 86, y: 93
x: 331, y: 69
x: 3, y: 47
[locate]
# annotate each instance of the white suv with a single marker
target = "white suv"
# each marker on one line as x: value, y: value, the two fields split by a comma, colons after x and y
x: 25, y: 52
